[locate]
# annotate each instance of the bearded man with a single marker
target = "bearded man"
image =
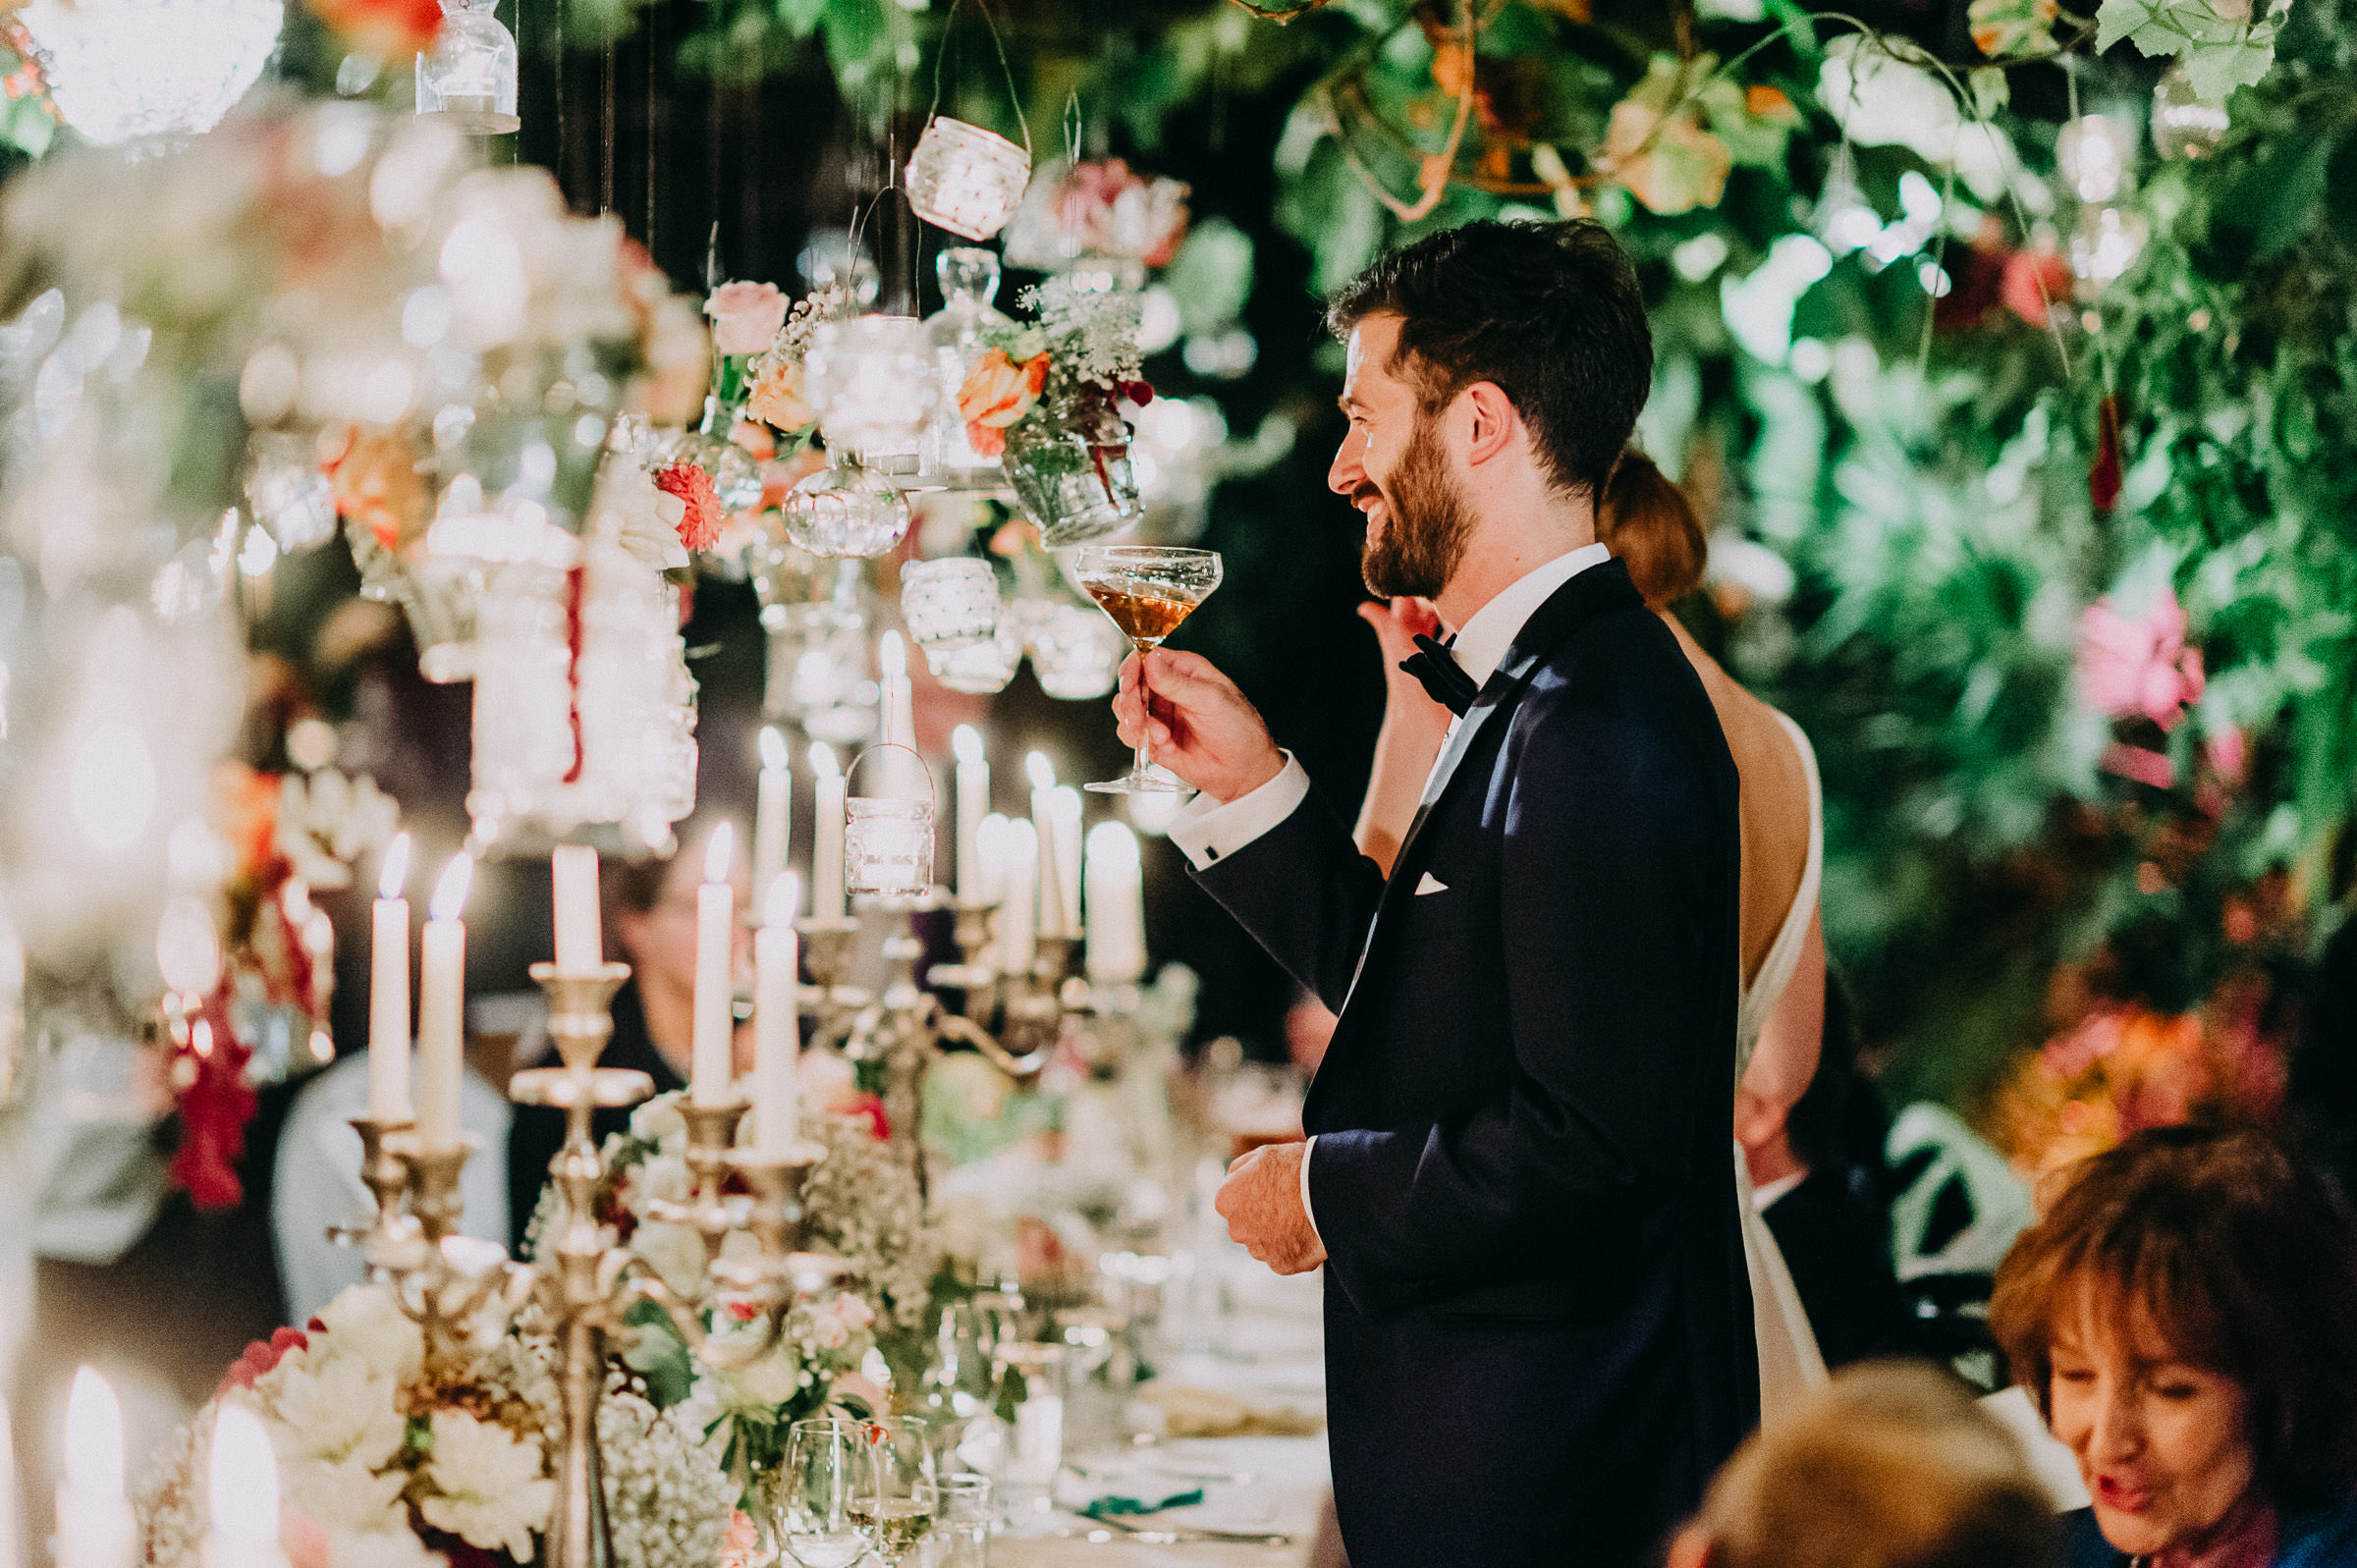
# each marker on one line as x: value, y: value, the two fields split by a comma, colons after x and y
x: 1538, y: 1329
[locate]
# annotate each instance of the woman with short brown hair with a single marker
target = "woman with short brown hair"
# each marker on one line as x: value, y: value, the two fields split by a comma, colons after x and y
x: 2185, y: 1314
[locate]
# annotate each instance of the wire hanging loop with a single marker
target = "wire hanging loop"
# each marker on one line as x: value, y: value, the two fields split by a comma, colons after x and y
x: 1014, y: 97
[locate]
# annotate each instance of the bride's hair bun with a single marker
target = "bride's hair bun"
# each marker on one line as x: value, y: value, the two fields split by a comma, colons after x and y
x: 1649, y: 524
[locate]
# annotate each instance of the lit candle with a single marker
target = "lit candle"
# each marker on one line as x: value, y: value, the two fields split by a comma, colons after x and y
x: 713, y: 1063
x: 1019, y: 887
x: 389, y: 989
x: 1064, y: 813
x: 442, y: 1008
x: 826, y: 853
x: 773, y: 814
x: 581, y: 939
x: 903, y: 771
x: 973, y: 805
x: 1117, y: 908
x: 1043, y: 827
x: 899, y: 706
x: 777, y: 1024
x: 95, y: 1527
x: 244, y: 1491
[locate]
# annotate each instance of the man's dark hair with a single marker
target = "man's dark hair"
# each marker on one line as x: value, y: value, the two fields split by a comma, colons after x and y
x: 1551, y: 313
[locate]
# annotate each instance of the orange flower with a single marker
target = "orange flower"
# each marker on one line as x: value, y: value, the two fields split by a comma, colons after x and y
x: 389, y: 27
x: 373, y: 477
x: 1763, y: 102
x: 700, y: 520
x: 777, y: 395
x: 997, y: 393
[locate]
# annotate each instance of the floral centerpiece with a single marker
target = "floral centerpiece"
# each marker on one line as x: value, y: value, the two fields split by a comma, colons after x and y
x: 390, y: 1457
x: 859, y: 1205
x: 1048, y: 395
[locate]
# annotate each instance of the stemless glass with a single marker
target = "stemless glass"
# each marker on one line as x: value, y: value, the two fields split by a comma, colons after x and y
x: 961, y: 1536
x: 899, y: 1514
x: 1148, y: 590
x: 826, y: 1486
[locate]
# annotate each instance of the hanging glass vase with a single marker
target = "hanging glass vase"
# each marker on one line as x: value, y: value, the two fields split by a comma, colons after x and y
x: 712, y: 447
x: 1071, y: 476
x: 466, y: 78
x: 845, y: 510
x: 872, y: 382
x: 969, y: 282
x: 950, y: 605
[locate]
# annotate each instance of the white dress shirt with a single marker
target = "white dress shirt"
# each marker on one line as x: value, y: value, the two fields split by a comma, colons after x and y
x: 1207, y: 829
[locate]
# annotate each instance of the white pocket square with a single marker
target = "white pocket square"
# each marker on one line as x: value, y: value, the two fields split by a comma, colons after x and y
x: 1430, y: 883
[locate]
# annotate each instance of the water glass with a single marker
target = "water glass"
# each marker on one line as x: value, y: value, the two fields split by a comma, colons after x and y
x: 1032, y: 1389
x: 962, y: 1522
x: 827, y: 1484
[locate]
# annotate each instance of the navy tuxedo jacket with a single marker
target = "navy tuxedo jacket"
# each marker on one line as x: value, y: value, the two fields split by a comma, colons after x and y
x: 1538, y: 1329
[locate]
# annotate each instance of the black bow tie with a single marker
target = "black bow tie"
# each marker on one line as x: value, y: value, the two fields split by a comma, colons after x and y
x: 1443, y: 677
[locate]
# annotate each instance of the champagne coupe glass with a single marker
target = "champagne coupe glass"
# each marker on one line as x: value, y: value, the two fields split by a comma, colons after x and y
x: 827, y: 1485
x: 898, y: 1514
x: 1148, y: 590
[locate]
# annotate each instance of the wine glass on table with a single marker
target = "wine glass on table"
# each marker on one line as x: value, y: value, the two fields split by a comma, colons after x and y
x: 898, y: 1514
x: 1148, y: 590
x: 827, y: 1484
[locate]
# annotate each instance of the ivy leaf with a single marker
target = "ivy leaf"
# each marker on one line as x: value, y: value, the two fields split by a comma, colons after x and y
x: 2216, y: 70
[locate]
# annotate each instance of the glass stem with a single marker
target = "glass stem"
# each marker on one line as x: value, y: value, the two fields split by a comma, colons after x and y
x: 1145, y: 764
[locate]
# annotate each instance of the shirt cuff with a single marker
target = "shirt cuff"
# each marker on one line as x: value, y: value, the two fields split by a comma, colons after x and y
x: 1307, y: 1212
x: 1207, y: 829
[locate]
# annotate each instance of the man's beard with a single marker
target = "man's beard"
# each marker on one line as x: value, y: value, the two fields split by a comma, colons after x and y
x: 1420, y: 546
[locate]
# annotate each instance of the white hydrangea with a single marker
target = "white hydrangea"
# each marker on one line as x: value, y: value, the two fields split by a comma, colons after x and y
x: 365, y: 1323
x: 491, y: 1489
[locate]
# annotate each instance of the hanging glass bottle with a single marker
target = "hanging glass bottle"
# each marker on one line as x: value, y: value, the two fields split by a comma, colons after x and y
x: 467, y: 77
x: 969, y: 282
x: 712, y: 445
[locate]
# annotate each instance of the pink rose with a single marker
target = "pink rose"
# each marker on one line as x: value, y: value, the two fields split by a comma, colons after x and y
x: 2138, y: 666
x: 746, y: 316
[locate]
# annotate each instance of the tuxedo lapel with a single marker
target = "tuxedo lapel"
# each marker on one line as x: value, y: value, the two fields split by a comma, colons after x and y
x: 1600, y: 590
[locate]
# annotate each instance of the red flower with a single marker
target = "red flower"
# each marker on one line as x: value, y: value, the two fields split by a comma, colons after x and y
x: 261, y: 1357
x: 699, y: 526
x: 389, y: 27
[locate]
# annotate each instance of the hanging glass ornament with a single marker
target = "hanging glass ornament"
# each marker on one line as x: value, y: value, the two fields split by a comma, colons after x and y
x: 2095, y: 155
x: 2183, y: 125
x: 122, y: 69
x: 966, y: 179
x: 2106, y: 244
x: 1077, y: 652
x: 468, y: 77
x: 969, y: 282
x: 872, y: 382
x: 844, y: 510
x: 981, y: 669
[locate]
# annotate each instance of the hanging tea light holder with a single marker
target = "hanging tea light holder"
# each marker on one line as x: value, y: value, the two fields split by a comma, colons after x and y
x: 966, y: 179
x: 887, y: 840
x: 466, y: 78
x: 950, y: 605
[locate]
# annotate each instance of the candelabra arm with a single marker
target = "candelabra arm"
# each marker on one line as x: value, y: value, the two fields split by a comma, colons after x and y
x: 1023, y: 1069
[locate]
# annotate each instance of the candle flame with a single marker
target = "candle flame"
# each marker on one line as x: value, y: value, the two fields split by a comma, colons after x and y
x: 449, y: 893
x: 774, y: 756
x: 396, y: 871
x: 720, y: 852
x: 785, y: 900
x: 1114, y: 843
x: 93, y: 1438
x: 1041, y: 771
x: 966, y: 741
x: 244, y: 1478
x: 893, y: 655
x: 822, y: 760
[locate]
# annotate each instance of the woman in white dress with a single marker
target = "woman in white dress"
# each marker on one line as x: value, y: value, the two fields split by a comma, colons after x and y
x: 1647, y: 522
